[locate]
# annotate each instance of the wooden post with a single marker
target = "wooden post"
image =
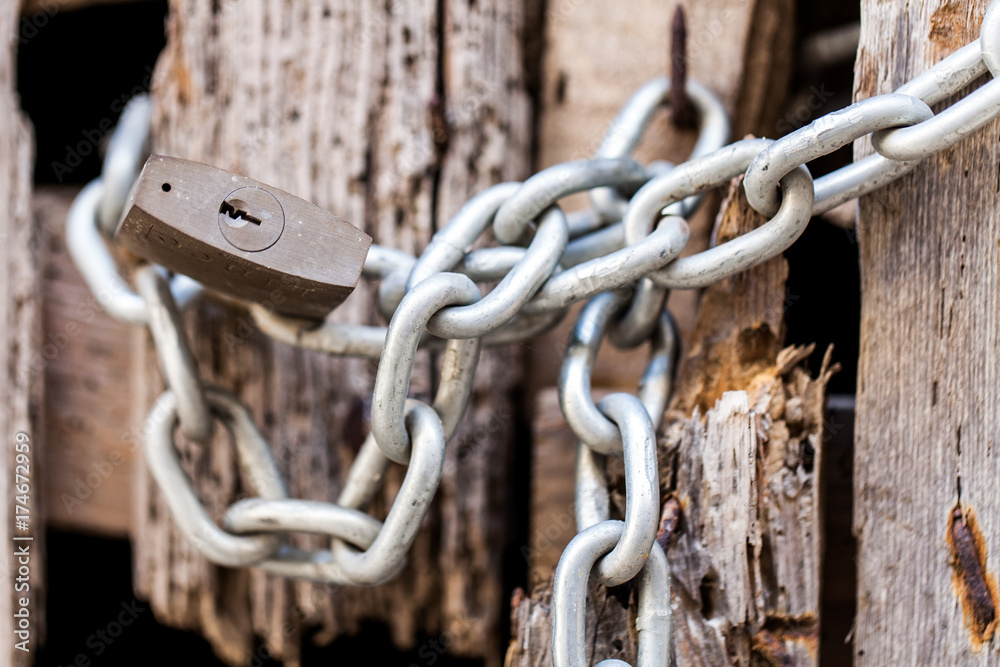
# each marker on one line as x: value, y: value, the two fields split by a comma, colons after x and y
x: 927, y: 512
x: 22, y: 364
x: 390, y: 115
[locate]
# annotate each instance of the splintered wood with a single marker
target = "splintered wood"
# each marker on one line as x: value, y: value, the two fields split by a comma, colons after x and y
x: 740, y: 459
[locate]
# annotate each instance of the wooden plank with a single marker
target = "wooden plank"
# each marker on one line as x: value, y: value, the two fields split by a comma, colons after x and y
x: 21, y: 426
x: 86, y: 353
x: 582, y: 90
x: 928, y: 381
x: 742, y: 50
x: 389, y: 115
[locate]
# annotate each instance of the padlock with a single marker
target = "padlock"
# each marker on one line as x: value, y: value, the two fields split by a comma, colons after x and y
x: 241, y: 237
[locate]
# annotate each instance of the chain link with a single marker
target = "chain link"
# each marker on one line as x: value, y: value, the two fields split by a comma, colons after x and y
x: 255, y: 460
x: 177, y: 363
x: 622, y: 254
x: 396, y: 363
x: 569, y: 599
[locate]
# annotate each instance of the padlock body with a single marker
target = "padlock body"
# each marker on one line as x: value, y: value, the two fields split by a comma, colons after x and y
x: 189, y: 217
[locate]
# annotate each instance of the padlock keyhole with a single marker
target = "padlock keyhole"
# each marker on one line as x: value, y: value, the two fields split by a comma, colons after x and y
x: 251, y: 232
x: 236, y: 209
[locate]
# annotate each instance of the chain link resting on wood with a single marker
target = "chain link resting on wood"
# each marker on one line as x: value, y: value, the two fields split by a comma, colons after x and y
x: 621, y: 255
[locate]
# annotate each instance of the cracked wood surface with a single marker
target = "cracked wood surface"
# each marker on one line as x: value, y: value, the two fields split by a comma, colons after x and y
x: 740, y: 50
x: 391, y: 115
x: 746, y: 563
x: 927, y: 512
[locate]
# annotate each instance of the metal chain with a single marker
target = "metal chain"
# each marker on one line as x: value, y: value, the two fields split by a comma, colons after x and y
x: 621, y: 254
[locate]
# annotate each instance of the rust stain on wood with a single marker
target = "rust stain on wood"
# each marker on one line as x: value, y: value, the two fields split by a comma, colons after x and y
x: 773, y: 643
x: 975, y: 587
x: 948, y: 27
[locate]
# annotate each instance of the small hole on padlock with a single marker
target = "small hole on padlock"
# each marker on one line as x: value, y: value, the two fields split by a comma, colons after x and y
x: 166, y: 187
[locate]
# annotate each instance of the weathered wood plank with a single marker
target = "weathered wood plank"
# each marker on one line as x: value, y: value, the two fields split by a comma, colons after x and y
x: 22, y: 602
x: 390, y: 115
x: 87, y: 478
x: 928, y: 380
x: 582, y: 90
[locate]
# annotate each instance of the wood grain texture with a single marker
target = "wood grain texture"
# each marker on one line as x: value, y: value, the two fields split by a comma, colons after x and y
x: 597, y: 55
x: 928, y: 378
x: 22, y: 380
x: 741, y: 455
x: 87, y: 479
x: 390, y: 115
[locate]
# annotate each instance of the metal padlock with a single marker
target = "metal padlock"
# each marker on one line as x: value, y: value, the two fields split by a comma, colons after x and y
x: 238, y: 236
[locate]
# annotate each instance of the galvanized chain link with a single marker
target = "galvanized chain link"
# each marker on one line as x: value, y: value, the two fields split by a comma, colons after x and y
x: 621, y: 254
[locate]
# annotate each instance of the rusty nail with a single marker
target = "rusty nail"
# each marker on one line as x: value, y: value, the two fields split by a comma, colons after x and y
x: 439, y: 126
x: 973, y: 583
x: 681, y: 111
